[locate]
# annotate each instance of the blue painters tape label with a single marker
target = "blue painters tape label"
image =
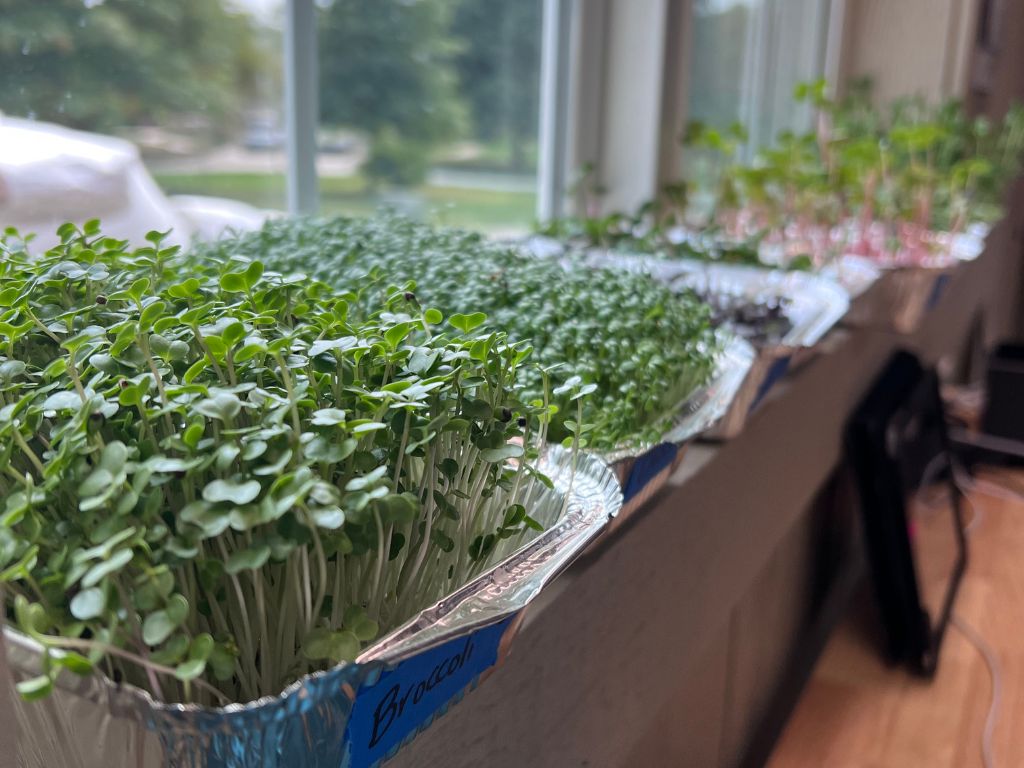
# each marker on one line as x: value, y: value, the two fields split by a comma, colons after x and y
x: 647, y: 467
x: 407, y: 698
x: 938, y: 288
x: 775, y: 373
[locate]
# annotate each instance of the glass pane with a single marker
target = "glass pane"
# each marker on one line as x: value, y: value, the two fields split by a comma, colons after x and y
x: 721, y: 54
x: 193, y: 85
x: 747, y: 55
x: 430, y: 107
x: 794, y: 35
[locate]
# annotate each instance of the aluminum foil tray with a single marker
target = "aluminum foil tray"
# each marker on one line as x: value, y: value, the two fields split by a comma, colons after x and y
x: 856, y: 274
x: 815, y: 304
x: 354, y: 715
x: 903, y: 295
x: 644, y: 470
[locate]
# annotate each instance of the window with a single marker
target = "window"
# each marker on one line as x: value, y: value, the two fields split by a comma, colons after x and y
x: 427, y: 106
x: 236, y: 146
x: 719, y: 58
x: 747, y: 55
x: 431, y: 107
x: 194, y: 85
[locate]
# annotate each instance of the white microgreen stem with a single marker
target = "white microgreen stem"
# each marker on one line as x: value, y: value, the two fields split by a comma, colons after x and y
x: 376, y: 592
x: 293, y: 409
x: 201, y: 341
x: 113, y: 650
x: 29, y: 453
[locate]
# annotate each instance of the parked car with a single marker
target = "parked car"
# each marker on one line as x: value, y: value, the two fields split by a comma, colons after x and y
x: 263, y: 134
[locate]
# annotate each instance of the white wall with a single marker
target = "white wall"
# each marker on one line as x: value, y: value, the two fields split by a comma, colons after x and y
x: 910, y: 46
x: 631, y: 103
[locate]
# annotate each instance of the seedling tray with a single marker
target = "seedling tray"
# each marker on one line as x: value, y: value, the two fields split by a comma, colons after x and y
x: 643, y: 471
x: 813, y: 306
x: 903, y: 295
x: 355, y: 715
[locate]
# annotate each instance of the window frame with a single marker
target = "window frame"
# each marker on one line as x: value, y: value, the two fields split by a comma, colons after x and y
x: 583, y: 45
x: 556, y: 76
x: 301, y: 109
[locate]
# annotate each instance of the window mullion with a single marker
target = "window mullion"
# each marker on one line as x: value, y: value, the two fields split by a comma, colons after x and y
x: 834, y: 42
x: 300, y: 105
x: 556, y: 63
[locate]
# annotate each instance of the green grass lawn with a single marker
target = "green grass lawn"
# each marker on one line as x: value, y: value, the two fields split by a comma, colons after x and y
x: 477, y: 208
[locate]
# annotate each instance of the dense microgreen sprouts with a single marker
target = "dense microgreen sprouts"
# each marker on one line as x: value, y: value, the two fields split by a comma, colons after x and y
x: 218, y: 479
x: 894, y: 184
x: 891, y: 183
x: 652, y: 233
x: 932, y: 165
x: 638, y: 348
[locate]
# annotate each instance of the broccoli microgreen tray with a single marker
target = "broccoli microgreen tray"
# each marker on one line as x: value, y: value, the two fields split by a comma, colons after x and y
x: 638, y: 348
x: 216, y: 480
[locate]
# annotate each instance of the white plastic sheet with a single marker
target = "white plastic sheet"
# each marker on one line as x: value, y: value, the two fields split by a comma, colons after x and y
x: 50, y: 174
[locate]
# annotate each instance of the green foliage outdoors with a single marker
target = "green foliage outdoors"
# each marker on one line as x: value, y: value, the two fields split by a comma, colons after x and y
x: 126, y: 62
x: 414, y: 77
x: 386, y: 67
x: 216, y: 479
x: 498, y: 66
x: 484, y: 209
x: 641, y: 347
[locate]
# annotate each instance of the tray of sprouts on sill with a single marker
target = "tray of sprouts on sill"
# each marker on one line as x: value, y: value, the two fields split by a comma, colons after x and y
x: 587, y: 328
x: 246, y: 524
x: 782, y: 314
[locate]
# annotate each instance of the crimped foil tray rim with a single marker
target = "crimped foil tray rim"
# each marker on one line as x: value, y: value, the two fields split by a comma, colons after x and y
x: 977, y: 232
x: 832, y: 299
x: 585, y: 518
x: 868, y: 272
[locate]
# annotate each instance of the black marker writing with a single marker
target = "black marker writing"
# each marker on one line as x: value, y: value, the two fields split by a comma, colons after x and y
x: 394, y: 701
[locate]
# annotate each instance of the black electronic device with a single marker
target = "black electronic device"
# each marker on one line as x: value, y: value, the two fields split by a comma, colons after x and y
x: 899, y: 449
x: 1004, y: 411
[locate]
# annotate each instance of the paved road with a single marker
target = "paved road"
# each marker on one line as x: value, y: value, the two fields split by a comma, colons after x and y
x: 233, y: 158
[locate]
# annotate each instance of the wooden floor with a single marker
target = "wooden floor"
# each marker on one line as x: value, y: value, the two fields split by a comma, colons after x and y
x: 856, y: 712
